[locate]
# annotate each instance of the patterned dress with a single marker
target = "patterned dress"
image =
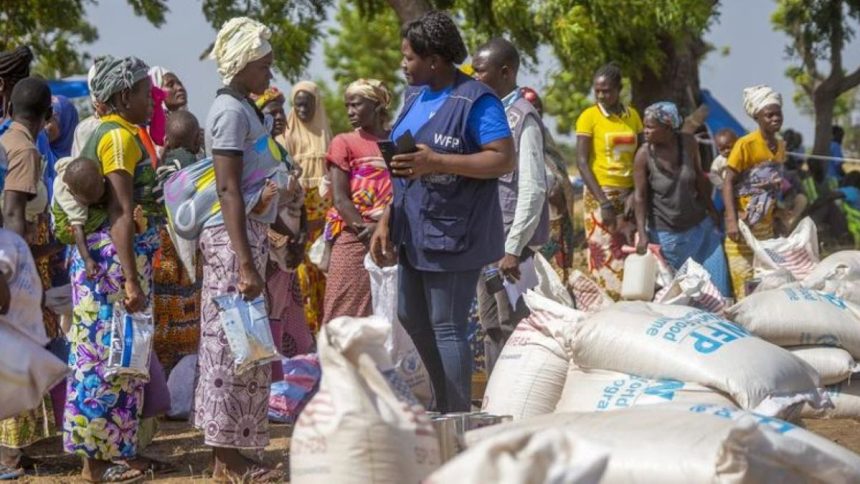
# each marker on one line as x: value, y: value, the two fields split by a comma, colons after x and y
x: 231, y: 409
x: 102, y: 413
x: 347, y: 291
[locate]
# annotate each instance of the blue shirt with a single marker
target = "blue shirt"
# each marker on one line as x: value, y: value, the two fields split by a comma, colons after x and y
x: 833, y: 165
x: 852, y: 196
x: 487, y: 119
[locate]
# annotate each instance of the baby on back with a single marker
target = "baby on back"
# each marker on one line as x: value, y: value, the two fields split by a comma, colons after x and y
x: 79, y: 184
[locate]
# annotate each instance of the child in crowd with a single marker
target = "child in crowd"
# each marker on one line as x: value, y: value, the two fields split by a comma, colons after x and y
x: 183, y: 141
x: 78, y: 185
x: 724, y: 140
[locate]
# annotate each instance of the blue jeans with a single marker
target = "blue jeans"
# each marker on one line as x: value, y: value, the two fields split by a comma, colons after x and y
x: 434, y: 309
x: 702, y: 243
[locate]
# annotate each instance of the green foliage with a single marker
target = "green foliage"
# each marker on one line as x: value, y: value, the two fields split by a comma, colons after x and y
x: 295, y: 24
x: 585, y: 34
x: 334, y: 107
x: 53, y: 29
x: 364, y: 47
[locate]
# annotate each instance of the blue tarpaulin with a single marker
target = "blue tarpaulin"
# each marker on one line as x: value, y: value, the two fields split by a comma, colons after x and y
x: 719, y: 117
x: 71, y: 88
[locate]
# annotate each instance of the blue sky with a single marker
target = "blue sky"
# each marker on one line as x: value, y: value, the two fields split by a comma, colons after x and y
x: 756, y: 53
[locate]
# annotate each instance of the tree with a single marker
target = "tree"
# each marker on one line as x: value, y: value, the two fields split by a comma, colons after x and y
x: 819, y: 31
x: 658, y: 45
x: 364, y: 46
x: 55, y: 30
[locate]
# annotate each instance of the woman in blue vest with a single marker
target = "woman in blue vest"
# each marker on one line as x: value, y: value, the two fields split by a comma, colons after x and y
x: 445, y: 222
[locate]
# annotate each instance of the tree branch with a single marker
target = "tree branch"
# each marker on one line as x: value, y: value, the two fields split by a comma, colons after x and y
x: 850, y: 81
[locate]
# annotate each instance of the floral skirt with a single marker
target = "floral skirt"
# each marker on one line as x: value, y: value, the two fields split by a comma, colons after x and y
x: 605, y: 257
x: 739, y: 255
x: 231, y: 409
x: 102, y: 413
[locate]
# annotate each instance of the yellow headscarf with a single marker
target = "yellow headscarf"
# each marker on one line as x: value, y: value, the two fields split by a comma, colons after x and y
x: 308, y: 142
x: 372, y: 89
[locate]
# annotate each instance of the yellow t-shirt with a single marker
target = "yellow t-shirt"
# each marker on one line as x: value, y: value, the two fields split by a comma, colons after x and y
x: 614, y: 142
x: 751, y: 149
x: 118, y: 149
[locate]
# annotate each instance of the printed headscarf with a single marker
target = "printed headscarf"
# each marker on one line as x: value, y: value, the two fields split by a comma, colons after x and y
x: 308, y: 142
x: 757, y: 97
x: 157, y: 73
x: 240, y: 41
x: 67, y: 119
x: 665, y: 113
x: 271, y: 94
x: 113, y: 75
x: 372, y: 89
x: 15, y: 64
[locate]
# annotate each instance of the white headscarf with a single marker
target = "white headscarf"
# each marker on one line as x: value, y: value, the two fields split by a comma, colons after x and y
x: 157, y: 73
x: 757, y: 97
x: 240, y: 41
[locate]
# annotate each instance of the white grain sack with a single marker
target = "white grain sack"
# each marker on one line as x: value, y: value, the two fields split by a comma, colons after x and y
x: 797, y: 316
x: 600, y: 390
x: 846, y: 402
x: 673, y: 443
x: 520, y: 456
x: 359, y: 428
x: 833, y: 365
x: 530, y: 372
x: 690, y: 345
x: 838, y: 273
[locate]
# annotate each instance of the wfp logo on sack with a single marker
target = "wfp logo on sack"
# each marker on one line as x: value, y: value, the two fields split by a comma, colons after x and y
x: 707, y: 331
x: 801, y: 294
x: 665, y: 389
x: 411, y: 363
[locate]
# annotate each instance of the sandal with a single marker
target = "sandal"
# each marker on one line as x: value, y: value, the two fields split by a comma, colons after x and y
x: 8, y: 473
x: 119, y: 474
x: 154, y: 466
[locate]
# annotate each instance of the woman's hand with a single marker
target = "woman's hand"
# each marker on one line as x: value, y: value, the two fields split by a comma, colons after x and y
x: 414, y: 165
x: 732, y: 231
x: 250, y: 283
x: 365, y: 231
x: 608, y: 218
x: 135, y: 301
x: 642, y: 244
x: 381, y: 249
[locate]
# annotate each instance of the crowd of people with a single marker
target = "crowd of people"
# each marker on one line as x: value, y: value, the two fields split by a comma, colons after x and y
x: 475, y: 189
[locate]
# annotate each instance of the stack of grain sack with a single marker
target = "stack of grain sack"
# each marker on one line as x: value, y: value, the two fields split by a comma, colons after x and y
x: 818, y: 320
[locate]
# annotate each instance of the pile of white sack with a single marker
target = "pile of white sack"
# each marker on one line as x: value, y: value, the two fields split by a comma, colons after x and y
x: 818, y: 320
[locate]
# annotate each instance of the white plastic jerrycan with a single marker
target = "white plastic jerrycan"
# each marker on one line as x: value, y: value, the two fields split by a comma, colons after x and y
x: 640, y: 274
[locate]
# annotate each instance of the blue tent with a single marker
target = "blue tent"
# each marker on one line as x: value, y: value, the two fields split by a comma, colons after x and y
x: 71, y: 88
x: 719, y: 117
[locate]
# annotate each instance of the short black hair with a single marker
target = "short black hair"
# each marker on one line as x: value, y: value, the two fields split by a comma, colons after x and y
x: 838, y: 133
x: 502, y: 52
x: 610, y: 71
x: 182, y: 129
x: 84, y: 179
x: 436, y: 33
x: 725, y: 132
x: 31, y: 99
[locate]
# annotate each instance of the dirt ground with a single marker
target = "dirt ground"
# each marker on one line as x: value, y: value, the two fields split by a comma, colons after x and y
x: 181, y: 446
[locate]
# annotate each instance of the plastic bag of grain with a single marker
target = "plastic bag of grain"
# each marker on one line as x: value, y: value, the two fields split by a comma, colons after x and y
x: 691, y: 345
x: 796, y: 316
x: 27, y: 372
x: 797, y: 253
x: 520, y: 456
x: 530, y: 372
x: 407, y: 361
x: 832, y: 364
x: 677, y: 443
x: 692, y: 287
x: 845, y: 396
x: 589, y: 296
x: 363, y: 425
x: 838, y: 273
x: 550, y: 285
x: 601, y: 390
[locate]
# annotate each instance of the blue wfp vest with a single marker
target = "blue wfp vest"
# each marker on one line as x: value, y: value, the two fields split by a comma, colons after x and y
x: 448, y: 222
